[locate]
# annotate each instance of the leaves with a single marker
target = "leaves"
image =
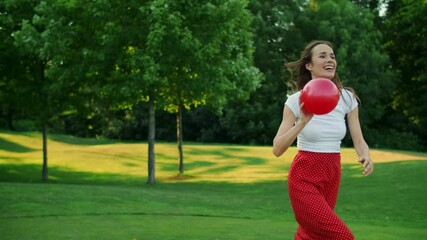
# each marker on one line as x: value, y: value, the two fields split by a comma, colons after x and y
x: 406, y: 35
x: 102, y: 56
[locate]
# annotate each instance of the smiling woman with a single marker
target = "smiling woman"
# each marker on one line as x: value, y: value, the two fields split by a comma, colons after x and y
x: 323, y: 63
x: 315, y: 173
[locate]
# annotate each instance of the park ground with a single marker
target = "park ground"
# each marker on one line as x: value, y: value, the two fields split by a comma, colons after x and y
x: 97, y: 190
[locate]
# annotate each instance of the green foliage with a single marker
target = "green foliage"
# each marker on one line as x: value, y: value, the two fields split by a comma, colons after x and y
x: 34, y: 39
x: 15, y: 77
x: 404, y: 22
x: 203, y: 62
x: 255, y: 121
x: 393, y: 139
x: 85, y: 67
x: 362, y: 62
x: 26, y: 125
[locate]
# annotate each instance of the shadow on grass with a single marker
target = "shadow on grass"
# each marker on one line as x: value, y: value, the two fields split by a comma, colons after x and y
x: 227, y: 153
x: 405, y: 175
x: 14, y: 147
x: 393, y: 195
x: 83, y: 141
x: 192, y: 165
x: 166, y: 157
x: 221, y: 156
x: 32, y: 173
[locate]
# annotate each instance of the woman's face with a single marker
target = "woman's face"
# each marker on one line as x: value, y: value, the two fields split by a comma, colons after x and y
x: 323, y: 63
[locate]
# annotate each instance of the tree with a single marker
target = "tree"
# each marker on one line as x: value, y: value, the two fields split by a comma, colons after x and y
x: 362, y: 61
x: 56, y: 37
x: 205, y: 54
x: 252, y: 121
x: 29, y: 40
x: 373, y: 5
x: 405, y: 21
x: 101, y: 59
x: 15, y: 76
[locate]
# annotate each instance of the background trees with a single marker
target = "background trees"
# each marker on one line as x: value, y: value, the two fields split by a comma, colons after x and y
x: 95, y: 66
x: 362, y: 62
x: 203, y: 62
x: 405, y: 32
x: 99, y: 59
x: 16, y: 67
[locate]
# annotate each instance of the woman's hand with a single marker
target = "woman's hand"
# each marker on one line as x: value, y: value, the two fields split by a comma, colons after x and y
x: 305, y: 116
x: 360, y: 145
x: 368, y: 165
x: 289, y: 129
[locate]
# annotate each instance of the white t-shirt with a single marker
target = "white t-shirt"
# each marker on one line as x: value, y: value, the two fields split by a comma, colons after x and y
x: 323, y: 133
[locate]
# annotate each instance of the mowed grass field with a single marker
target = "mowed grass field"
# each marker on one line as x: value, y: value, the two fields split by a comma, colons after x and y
x: 97, y: 190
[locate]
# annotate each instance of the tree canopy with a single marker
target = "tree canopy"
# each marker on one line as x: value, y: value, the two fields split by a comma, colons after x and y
x: 90, y: 68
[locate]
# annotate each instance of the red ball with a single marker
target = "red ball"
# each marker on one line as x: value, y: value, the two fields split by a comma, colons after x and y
x: 320, y: 96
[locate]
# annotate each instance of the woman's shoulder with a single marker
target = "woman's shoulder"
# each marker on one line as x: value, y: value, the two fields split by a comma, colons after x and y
x: 347, y: 90
x: 348, y: 93
x: 293, y: 98
x: 294, y: 95
x: 349, y: 97
x: 293, y: 102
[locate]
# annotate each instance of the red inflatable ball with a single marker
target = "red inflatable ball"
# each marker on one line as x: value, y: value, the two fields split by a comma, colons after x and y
x: 320, y: 96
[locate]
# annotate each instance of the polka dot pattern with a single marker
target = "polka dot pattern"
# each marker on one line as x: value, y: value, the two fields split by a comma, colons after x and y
x: 313, y: 184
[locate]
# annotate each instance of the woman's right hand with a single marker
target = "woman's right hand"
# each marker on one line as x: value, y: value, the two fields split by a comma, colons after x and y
x: 305, y: 116
x: 289, y: 129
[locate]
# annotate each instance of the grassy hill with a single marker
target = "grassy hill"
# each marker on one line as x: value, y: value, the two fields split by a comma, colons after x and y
x: 97, y: 190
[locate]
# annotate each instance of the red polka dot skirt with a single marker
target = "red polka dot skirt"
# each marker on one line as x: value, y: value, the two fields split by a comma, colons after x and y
x: 313, y: 184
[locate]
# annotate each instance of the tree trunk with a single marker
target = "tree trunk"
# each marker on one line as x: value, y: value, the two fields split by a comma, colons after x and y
x: 179, y: 138
x: 151, y: 141
x: 44, y: 171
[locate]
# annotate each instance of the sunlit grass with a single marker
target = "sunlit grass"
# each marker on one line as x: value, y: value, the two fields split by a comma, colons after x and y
x: 224, y: 163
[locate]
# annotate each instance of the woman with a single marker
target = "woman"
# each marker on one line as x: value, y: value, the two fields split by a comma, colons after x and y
x: 314, y: 176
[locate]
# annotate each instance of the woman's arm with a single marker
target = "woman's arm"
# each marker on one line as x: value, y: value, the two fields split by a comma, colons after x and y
x: 289, y: 130
x: 361, y: 147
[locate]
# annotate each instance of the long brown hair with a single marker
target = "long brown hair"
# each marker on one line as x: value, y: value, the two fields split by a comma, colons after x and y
x: 303, y: 75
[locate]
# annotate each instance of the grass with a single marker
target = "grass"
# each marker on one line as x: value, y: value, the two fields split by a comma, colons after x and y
x: 97, y: 190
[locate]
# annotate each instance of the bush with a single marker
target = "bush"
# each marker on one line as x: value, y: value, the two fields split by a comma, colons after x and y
x: 393, y: 139
x: 26, y: 125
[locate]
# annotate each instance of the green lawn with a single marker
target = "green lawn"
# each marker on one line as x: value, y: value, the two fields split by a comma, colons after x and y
x: 97, y: 190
